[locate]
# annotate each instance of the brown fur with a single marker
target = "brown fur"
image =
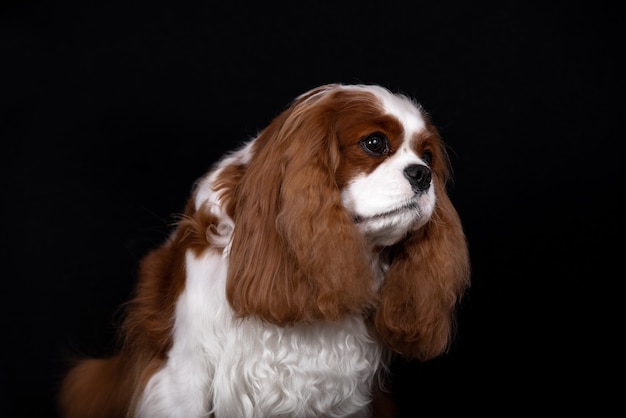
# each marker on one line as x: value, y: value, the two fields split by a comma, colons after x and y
x: 430, y: 272
x: 109, y: 388
x: 293, y: 236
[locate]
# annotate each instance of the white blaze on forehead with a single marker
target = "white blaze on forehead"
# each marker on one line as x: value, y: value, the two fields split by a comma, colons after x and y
x: 407, y: 112
x: 404, y: 109
x: 401, y: 107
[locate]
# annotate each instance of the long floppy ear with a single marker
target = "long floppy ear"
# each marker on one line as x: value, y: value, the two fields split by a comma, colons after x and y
x: 296, y: 255
x: 428, y: 275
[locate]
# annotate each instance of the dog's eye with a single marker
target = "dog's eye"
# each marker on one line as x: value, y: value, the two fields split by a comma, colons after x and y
x: 375, y: 144
x: 427, y: 156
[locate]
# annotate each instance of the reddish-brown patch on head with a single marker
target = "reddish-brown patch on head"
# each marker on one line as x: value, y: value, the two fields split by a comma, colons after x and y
x: 359, y: 114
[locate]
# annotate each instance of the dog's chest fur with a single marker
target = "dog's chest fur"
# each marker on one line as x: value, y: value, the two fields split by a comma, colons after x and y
x: 218, y: 362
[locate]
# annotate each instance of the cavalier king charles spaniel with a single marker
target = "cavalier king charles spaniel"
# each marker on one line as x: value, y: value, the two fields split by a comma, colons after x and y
x: 303, y: 262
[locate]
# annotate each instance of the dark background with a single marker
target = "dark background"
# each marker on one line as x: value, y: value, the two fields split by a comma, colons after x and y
x: 109, y: 112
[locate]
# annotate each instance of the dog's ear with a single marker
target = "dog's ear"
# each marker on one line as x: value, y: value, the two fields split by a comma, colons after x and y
x: 296, y: 255
x: 429, y: 273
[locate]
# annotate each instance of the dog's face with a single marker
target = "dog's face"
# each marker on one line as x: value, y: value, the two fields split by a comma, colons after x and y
x: 385, y: 172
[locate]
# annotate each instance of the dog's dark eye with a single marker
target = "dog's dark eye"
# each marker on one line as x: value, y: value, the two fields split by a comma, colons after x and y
x: 427, y: 156
x: 375, y: 144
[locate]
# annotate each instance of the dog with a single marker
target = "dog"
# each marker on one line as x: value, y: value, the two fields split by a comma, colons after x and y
x: 303, y: 263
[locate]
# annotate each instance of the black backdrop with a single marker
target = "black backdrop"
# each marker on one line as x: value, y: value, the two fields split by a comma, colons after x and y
x: 109, y: 112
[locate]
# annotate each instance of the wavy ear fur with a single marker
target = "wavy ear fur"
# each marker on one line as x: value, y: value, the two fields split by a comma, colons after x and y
x: 428, y: 275
x: 292, y: 235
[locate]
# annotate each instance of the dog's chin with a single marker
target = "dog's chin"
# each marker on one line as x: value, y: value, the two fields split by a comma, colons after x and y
x: 389, y: 227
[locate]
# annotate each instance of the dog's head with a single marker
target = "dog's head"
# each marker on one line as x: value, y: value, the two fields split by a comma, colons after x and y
x: 342, y: 209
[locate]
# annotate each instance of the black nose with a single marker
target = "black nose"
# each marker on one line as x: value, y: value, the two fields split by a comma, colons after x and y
x: 419, y: 176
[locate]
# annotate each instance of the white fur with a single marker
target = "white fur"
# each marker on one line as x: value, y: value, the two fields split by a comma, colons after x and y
x: 248, y: 368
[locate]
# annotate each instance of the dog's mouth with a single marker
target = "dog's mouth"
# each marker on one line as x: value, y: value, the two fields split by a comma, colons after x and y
x: 410, y: 206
